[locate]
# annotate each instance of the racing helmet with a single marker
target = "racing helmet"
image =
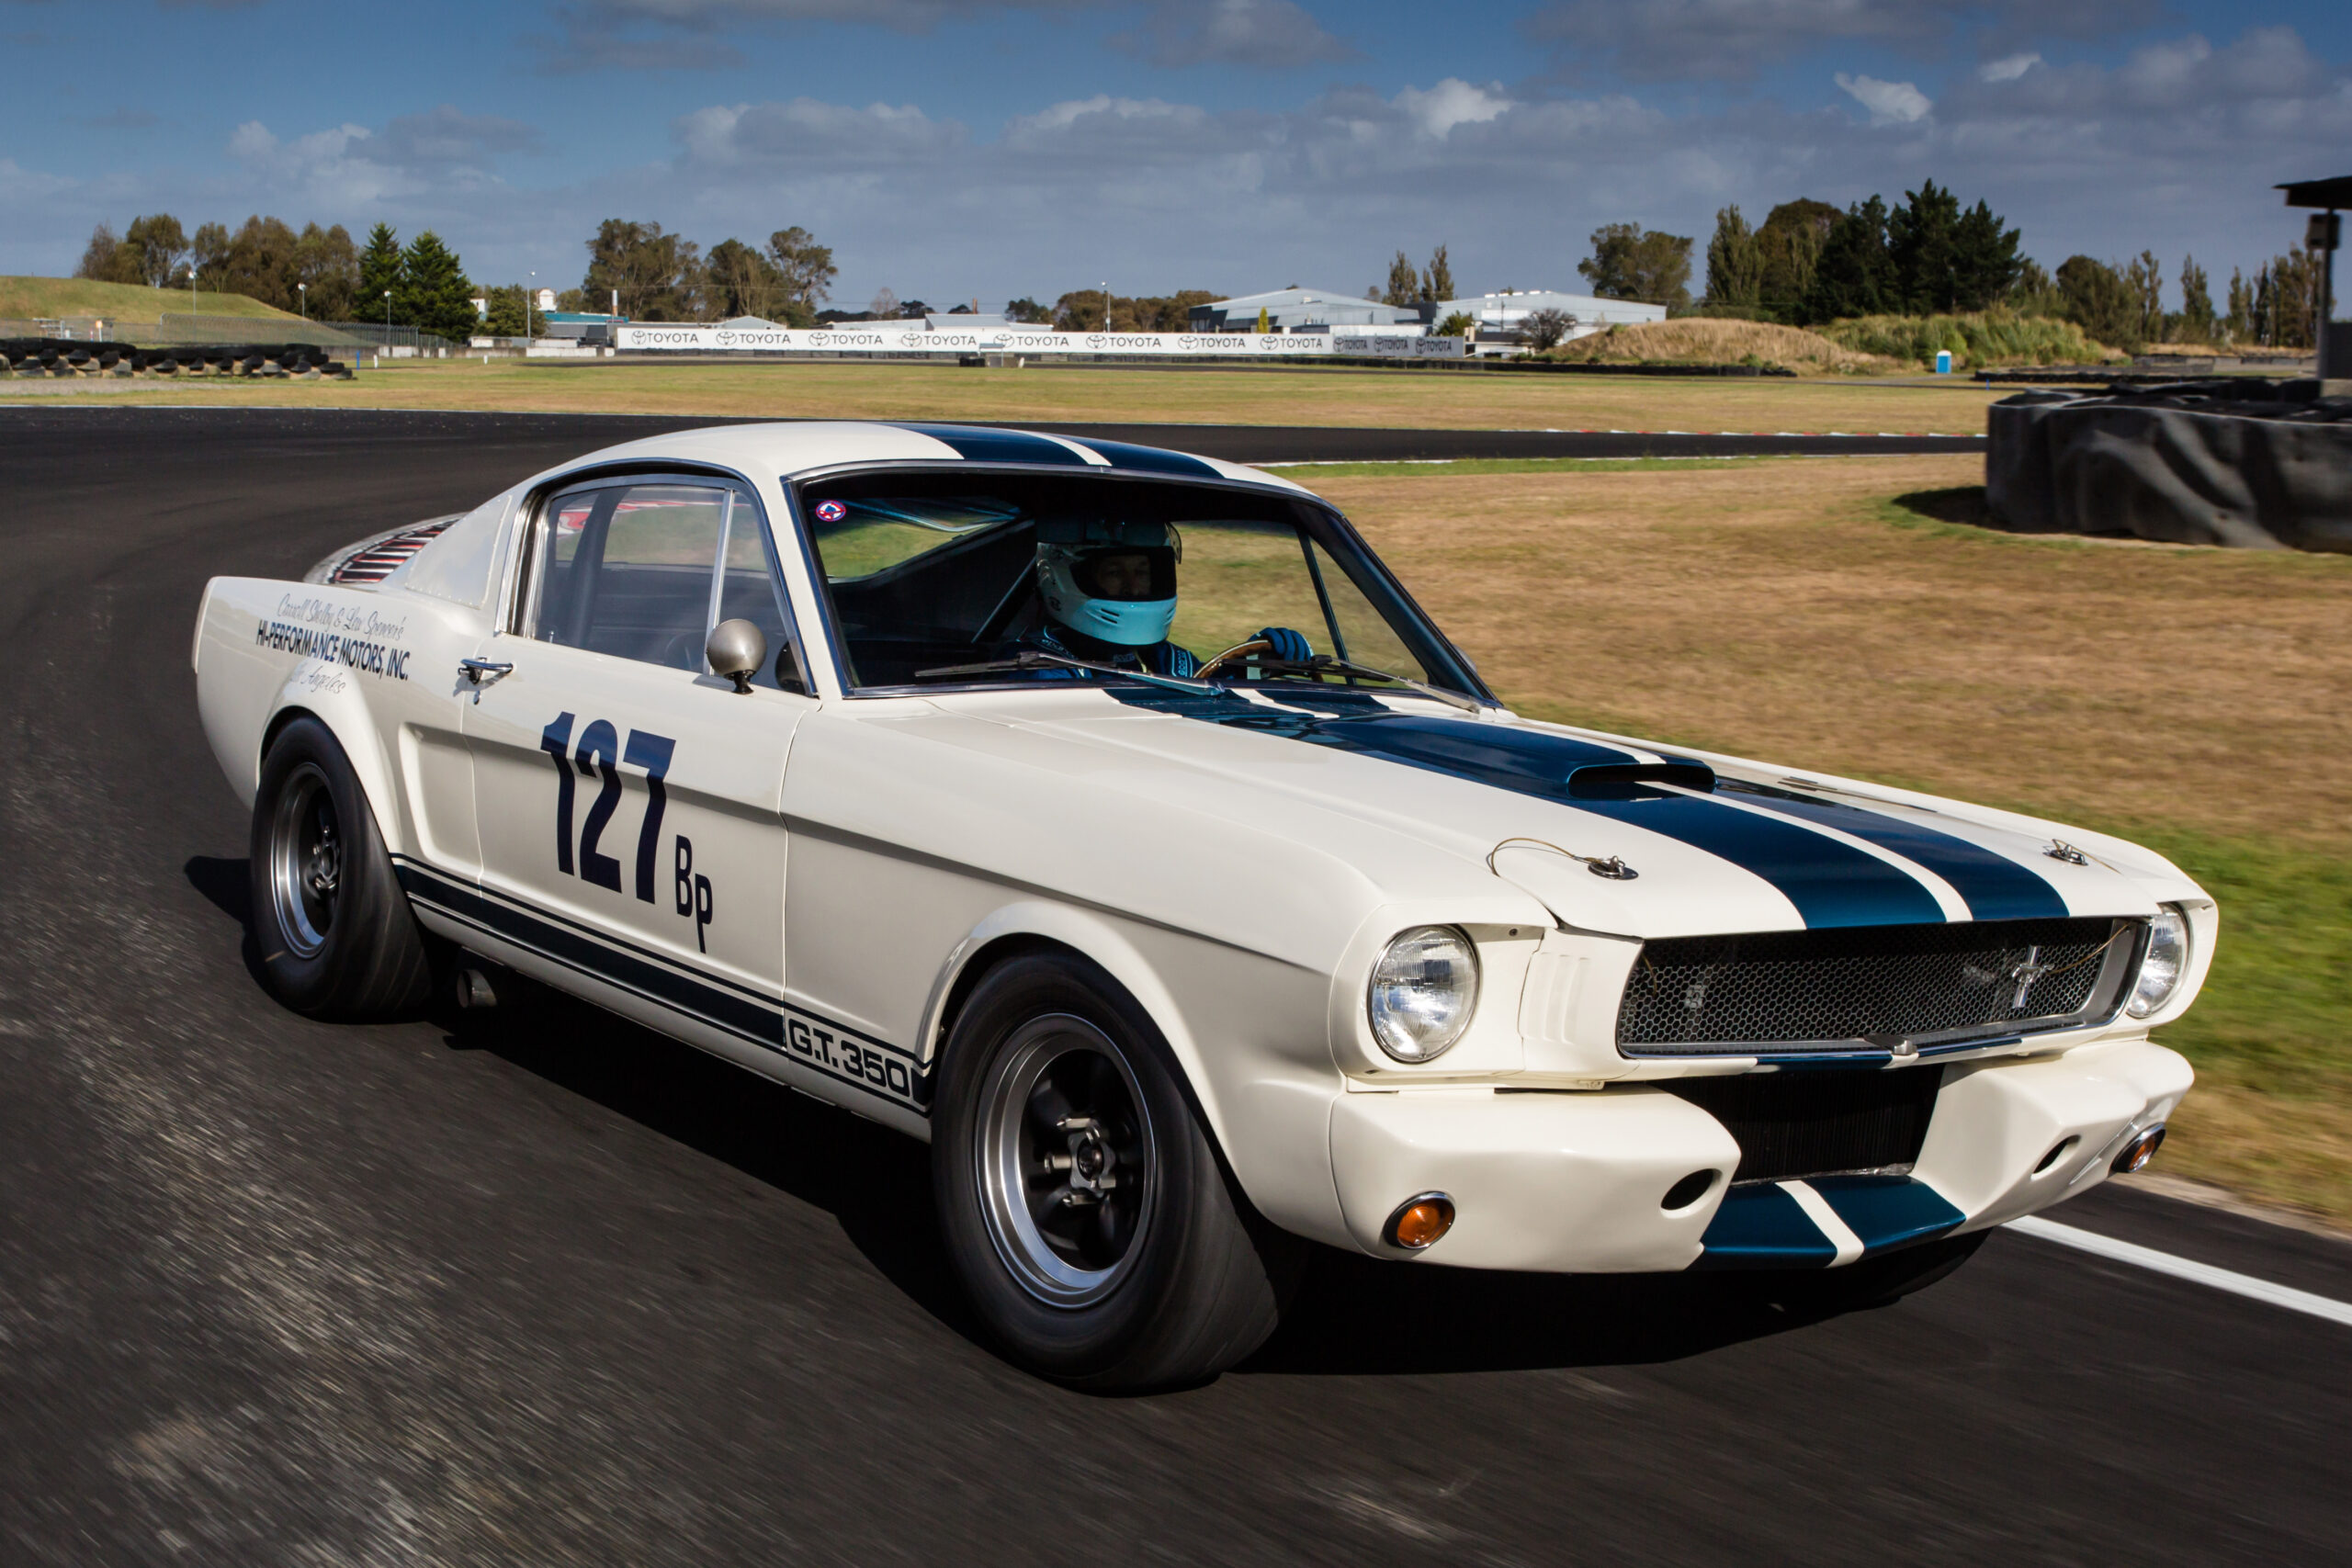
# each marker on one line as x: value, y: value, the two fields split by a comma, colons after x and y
x: 1123, y: 606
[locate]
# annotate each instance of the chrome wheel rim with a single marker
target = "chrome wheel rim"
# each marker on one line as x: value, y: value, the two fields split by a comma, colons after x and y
x: 305, y: 860
x: 1067, y: 1163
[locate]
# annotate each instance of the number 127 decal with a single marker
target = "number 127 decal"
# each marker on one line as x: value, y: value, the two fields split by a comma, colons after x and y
x: 600, y: 754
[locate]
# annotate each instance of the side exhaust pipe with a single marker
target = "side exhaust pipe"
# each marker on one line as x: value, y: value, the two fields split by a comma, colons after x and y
x: 2135, y: 1154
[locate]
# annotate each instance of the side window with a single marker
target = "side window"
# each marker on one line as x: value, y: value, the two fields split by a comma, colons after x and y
x: 750, y: 589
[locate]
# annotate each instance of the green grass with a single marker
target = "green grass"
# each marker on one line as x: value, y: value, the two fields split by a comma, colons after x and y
x: 1308, y: 473
x: 1984, y: 338
x: 30, y: 299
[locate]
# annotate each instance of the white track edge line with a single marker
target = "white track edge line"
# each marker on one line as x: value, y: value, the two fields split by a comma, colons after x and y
x: 2184, y: 1268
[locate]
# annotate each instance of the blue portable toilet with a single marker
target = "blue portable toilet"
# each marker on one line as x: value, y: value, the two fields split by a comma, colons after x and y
x: 1943, y: 362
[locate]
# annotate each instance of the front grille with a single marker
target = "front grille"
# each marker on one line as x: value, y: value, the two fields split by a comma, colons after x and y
x: 1794, y: 1125
x: 1871, y: 986
x: 381, y: 559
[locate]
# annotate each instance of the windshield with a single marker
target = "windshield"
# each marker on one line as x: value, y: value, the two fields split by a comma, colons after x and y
x: 931, y: 572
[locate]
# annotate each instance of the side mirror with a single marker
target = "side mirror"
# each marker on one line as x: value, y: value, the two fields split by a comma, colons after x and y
x: 736, y: 650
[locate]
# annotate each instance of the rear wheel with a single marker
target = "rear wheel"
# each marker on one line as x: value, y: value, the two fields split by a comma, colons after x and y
x: 337, y: 938
x: 1094, y: 1230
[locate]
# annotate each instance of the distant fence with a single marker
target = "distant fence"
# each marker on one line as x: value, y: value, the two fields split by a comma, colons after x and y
x: 179, y: 327
x: 886, y: 337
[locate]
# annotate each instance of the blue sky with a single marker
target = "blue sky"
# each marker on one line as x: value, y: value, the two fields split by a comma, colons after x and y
x: 956, y: 149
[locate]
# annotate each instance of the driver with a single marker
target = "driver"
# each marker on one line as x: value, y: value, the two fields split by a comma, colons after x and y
x: 1109, y: 591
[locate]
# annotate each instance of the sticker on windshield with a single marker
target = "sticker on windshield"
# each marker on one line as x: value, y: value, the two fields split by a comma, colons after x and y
x: 831, y: 511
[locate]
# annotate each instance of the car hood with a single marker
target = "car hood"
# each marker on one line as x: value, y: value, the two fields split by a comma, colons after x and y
x: 1610, y: 835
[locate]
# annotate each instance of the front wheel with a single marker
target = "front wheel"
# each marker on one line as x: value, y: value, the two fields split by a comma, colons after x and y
x: 1083, y: 1207
x: 336, y: 935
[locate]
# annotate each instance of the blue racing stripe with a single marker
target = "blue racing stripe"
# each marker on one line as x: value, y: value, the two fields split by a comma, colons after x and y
x: 1996, y: 887
x: 1761, y: 1226
x: 1150, y: 460
x: 1000, y: 445
x: 1831, y: 884
x: 1886, y: 1210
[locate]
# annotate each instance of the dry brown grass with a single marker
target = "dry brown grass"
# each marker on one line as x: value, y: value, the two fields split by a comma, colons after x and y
x: 1418, y: 399
x: 1772, y: 610
x: 1784, y: 610
x: 1700, y: 340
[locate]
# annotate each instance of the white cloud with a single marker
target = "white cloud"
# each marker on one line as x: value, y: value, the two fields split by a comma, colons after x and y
x: 1729, y: 40
x: 1890, y: 103
x: 1451, y: 103
x: 2008, y: 68
x: 830, y: 135
x: 1269, y: 33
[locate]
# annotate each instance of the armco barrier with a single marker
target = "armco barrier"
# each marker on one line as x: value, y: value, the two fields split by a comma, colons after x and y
x: 73, y: 357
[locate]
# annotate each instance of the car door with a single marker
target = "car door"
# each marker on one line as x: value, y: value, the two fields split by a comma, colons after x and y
x: 628, y: 801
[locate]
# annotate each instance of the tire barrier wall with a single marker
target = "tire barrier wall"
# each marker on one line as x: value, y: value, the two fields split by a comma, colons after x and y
x: 2253, y: 464
x: 52, y: 357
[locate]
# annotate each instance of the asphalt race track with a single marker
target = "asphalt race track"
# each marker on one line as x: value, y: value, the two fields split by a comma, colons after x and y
x: 534, y: 1286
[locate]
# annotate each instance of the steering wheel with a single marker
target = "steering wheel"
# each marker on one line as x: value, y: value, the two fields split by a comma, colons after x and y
x: 1255, y: 645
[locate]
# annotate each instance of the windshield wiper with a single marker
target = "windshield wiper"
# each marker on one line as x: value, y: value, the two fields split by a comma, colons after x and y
x: 1036, y: 658
x: 1323, y: 663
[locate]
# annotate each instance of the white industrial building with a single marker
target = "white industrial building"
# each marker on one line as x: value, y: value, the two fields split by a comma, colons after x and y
x: 1304, y: 311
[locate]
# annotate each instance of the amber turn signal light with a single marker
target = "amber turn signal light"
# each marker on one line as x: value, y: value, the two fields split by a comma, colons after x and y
x: 1419, y: 1222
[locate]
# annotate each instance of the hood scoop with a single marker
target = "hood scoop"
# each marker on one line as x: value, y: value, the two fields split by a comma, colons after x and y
x: 1626, y: 781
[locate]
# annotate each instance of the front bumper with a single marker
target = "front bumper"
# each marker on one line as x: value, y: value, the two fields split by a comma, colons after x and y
x: 1577, y: 1182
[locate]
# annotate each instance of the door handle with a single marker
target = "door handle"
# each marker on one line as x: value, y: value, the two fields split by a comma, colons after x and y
x: 481, y: 672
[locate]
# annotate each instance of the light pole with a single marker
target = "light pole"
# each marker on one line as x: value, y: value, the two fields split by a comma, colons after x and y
x: 531, y: 296
x: 302, y: 299
x: 388, y: 322
x: 1106, y: 306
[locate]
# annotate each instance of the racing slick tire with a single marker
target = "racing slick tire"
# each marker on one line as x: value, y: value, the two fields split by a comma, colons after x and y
x: 336, y: 936
x: 1099, y: 1237
x: 1873, y: 1282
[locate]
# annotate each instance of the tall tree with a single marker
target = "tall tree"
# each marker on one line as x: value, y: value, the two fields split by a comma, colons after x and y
x: 1404, y: 282
x: 380, y: 273
x: 885, y: 304
x: 1985, y: 265
x: 1631, y: 263
x: 805, y: 267
x: 1734, y: 262
x: 1921, y: 250
x: 1437, y: 280
x: 437, y: 296
x: 2239, y: 325
x: 328, y: 265
x: 657, y: 275
x: 1853, y: 276
x: 1790, y: 245
x: 159, y: 245
x: 1027, y: 311
x: 259, y: 263
x: 208, y: 252
x: 742, y: 282
x: 2195, y: 320
x: 2144, y: 275
x: 2101, y: 301
x: 98, y: 258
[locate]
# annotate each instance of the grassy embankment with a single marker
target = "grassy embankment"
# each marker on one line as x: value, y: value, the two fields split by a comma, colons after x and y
x: 1409, y: 399
x: 31, y: 299
x: 1794, y: 610
x: 1868, y: 345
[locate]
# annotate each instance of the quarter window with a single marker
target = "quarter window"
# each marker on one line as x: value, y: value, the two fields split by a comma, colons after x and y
x: 643, y: 572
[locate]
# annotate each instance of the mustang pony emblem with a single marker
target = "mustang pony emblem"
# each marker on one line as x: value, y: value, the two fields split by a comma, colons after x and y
x: 2025, y: 974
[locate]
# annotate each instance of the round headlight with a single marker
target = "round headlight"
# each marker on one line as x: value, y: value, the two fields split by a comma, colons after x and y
x: 1422, y: 992
x: 2162, y: 965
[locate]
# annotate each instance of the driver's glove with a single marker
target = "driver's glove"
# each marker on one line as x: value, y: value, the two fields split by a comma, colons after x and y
x: 1285, y: 645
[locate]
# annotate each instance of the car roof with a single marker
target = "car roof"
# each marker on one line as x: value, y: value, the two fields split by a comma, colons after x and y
x: 794, y: 447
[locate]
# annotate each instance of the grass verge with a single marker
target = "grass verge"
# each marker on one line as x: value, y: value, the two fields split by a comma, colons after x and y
x: 1074, y: 394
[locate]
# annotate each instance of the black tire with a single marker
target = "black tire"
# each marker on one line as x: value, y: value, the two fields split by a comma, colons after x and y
x: 336, y: 933
x: 1873, y: 1282
x: 1172, y: 1288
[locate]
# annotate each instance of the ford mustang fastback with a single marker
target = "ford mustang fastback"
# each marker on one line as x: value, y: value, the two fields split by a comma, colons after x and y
x: 1114, y: 820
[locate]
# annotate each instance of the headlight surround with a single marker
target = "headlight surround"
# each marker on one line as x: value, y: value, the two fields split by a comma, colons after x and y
x: 1423, y: 991
x: 2164, y: 964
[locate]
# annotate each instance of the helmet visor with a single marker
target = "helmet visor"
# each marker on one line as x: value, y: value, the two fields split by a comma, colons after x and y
x: 1127, y: 574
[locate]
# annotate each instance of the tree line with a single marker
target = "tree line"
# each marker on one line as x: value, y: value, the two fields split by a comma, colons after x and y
x: 649, y: 274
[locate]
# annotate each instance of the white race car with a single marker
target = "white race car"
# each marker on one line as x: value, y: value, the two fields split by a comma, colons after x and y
x: 1113, y: 820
